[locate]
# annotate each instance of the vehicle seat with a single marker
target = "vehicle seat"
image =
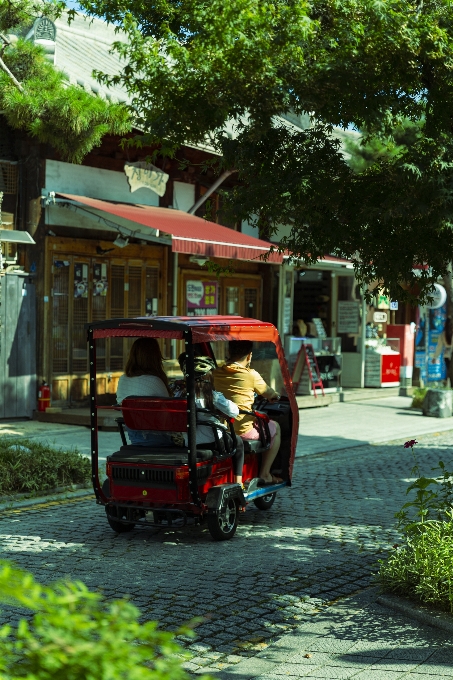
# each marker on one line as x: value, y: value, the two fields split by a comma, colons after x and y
x: 170, y: 455
x: 169, y: 414
x: 264, y: 441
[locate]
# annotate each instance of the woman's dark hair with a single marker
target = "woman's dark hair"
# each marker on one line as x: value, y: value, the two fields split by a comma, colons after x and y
x: 203, y: 390
x: 145, y: 358
x: 448, y: 330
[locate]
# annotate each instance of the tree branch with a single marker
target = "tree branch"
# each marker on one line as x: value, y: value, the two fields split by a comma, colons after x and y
x: 4, y: 67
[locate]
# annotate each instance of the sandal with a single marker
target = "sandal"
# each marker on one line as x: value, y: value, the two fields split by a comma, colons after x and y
x: 274, y: 480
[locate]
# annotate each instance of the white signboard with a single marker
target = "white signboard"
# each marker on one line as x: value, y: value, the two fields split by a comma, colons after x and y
x: 380, y: 317
x: 439, y: 296
x: 348, y: 317
x: 145, y: 175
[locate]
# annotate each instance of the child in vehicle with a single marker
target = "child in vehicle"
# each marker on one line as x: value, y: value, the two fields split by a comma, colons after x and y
x: 208, y: 398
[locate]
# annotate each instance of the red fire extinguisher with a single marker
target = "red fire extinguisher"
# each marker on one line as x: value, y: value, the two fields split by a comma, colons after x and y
x: 43, y: 396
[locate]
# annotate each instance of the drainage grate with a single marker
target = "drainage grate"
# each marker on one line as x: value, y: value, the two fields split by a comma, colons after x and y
x: 141, y: 475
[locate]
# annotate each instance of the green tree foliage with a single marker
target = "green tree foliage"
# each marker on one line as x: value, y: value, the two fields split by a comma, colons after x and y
x: 46, y: 105
x: 196, y: 67
x: 75, y: 635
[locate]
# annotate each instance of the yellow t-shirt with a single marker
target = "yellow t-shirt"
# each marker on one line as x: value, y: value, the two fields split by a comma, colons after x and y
x: 239, y: 384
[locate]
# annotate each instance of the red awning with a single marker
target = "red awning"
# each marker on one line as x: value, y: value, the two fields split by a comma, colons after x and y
x: 190, y: 234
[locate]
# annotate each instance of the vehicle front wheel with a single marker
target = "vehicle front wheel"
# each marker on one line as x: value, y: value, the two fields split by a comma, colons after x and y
x: 114, y: 517
x: 265, y: 502
x: 223, y: 525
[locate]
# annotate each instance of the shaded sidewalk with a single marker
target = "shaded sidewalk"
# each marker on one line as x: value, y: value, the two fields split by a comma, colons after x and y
x: 355, y: 638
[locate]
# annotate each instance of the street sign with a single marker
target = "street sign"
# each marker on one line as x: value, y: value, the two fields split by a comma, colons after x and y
x: 394, y: 305
x: 380, y: 317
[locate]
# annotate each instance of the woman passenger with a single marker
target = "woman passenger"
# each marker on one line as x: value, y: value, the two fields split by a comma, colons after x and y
x: 144, y: 376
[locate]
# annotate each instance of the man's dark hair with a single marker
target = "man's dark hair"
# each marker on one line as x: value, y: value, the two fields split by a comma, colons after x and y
x: 238, y: 349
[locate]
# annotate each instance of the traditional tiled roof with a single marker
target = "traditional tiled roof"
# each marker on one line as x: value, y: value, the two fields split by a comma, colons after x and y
x: 86, y: 45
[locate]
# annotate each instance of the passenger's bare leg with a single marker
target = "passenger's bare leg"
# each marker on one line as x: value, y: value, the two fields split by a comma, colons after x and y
x: 268, y: 456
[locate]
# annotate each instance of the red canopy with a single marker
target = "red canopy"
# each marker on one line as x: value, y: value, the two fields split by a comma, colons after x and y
x: 190, y: 234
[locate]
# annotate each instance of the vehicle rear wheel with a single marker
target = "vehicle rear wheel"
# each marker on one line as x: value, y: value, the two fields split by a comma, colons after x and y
x: 116, y: 524
x: 265, y: 502
x: 223, y: 525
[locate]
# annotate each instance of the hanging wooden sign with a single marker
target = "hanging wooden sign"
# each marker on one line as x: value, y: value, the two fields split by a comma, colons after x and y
x: 306, y: 360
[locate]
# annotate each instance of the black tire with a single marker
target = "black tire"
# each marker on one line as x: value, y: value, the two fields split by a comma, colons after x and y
x: 223, y: 526
x: 265, y: 502
x: 119, y: 514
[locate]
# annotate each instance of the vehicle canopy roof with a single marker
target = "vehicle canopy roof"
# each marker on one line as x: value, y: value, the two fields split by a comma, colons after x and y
x: 203, y: 328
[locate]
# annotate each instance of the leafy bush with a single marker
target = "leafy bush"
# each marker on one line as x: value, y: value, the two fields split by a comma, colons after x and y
x: 423, y: 567
x: 76, y: 635
x: 418, y: 397
x: 29, y: 466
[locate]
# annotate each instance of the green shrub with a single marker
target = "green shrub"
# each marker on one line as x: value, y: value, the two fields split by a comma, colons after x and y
x: 27, y: 466
x: 418, y: 397
x: 76, y: 635
x: 423, y: 567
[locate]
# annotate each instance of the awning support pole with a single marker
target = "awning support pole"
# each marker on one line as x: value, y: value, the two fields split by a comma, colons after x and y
x: 211, y: 190
x: 174, y: 295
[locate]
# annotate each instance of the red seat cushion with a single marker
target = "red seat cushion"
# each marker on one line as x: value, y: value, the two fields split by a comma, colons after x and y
x: 155, y: 413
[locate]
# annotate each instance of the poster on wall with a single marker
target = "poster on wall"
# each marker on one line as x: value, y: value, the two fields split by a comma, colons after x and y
x: 202, y: 298
x: 348, y: 317
x: 100, y: 283
x: 436, y: 366
x: 430, y: 324
x: 80, y: 280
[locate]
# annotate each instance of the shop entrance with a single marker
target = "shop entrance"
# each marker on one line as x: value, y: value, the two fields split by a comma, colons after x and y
x: 85, y: 289
x: 312, y: 298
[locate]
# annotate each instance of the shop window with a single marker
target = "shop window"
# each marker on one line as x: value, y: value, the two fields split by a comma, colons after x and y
x: 232, y: 300
x: 152, y: 291
x: 251, y: 302
x: 135, y: 292
x: 99, y: 307
x: 116, y: 312
x: 80, y: 318
x: 60, y: 329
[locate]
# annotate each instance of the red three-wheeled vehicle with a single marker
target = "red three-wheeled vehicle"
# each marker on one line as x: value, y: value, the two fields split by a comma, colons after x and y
x: 169, y: 486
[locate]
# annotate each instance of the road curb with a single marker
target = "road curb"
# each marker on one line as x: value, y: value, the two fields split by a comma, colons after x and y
x: 420, y: 612
x: 61, y: 494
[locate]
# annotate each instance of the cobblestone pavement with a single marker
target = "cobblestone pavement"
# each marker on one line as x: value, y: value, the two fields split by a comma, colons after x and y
x: 318, y: 543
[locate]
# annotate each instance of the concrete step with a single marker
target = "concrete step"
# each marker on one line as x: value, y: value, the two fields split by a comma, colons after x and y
x: 310, y: 401
x: 369, y: 393
x: 79, y: 416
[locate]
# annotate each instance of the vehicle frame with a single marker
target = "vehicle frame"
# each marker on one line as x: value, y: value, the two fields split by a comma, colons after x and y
x: 199, y: 489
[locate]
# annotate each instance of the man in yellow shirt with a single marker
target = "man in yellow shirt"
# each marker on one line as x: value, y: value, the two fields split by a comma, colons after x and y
x: 239, y: 383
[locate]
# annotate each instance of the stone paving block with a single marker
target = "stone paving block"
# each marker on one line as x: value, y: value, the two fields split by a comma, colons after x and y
x: 333, y: 673
x: 369, y: 648
x: 378, y: 675
x: 419, y: 654
x: 331, y: 645
x: 441, y: 670
x: 398, y: 665
x: 444, y: 655
x: 309, y: 659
